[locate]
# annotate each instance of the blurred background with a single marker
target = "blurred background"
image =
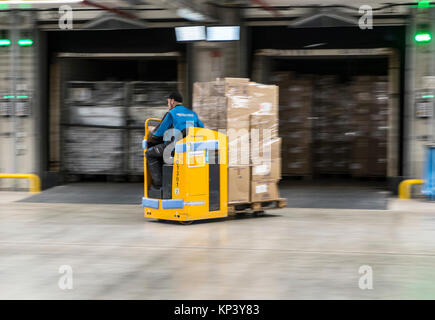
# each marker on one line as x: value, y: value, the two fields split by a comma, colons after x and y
x: 350, y: 87
x: 356, y: 87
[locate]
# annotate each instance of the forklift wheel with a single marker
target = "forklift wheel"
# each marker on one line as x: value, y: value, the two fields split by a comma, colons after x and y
x: 186, y: 223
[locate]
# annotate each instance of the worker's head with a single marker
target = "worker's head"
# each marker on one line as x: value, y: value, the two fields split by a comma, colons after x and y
x: 174, y: 99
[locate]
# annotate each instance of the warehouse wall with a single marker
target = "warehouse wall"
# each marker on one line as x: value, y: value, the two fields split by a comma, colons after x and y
x: 420, y: 67
x: 19, y: 103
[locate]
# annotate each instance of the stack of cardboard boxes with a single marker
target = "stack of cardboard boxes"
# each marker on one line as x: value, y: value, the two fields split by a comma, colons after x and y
x: 370, y: 120
x: 248, y: 113
x: 266, y: 150
x: 295, y: 123
x: 331, y: 127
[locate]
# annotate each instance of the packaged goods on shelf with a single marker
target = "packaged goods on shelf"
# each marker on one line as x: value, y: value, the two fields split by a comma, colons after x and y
x: 148, y: 100
x: 97, y: 115
x: 135, y: 151
x: 93, y: 150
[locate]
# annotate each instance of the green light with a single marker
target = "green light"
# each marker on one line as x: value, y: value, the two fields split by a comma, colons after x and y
x: 423, y: 37
x: 25, y: 42
x: 5, y: 42
x: 428, y: 96
x: 424, y: 4
x: 4, y: 6
x: 22, y: 97
x: 8, y: 97
x: 25, y: 5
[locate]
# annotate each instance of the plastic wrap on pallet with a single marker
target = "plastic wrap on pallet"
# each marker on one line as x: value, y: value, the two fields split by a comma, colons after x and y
x: 137, y: 114
x: 96, y: 93
x: 148, y: 100
x: 110, y: 93
x: 93, y: 150
x: 151, y: 93
x: 97, y: 115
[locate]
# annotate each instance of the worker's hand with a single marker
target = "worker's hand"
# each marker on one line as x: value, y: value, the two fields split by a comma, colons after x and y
x: 151, y: 131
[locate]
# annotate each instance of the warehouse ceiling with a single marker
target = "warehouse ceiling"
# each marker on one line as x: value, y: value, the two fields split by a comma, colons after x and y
x: 160, y: 13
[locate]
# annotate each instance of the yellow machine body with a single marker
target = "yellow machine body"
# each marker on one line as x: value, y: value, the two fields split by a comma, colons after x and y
x: 199, y: 179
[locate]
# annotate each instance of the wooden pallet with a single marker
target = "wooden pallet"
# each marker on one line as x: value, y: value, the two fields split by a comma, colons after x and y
x: 258, y: 206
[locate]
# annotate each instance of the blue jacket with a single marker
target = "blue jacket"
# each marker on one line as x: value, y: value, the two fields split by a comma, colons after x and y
x: 179, y: 118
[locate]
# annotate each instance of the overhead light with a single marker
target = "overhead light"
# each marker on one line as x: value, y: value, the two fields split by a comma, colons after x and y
x: 191, y: 15
x: 190, y: 33
x: 424, y: 4
x: 228, y: 33
x: 25, y: 42
x: 423, y: 37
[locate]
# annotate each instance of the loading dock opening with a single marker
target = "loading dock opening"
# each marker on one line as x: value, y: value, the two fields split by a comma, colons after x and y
x: 325, y: 61
x: 84, y: 85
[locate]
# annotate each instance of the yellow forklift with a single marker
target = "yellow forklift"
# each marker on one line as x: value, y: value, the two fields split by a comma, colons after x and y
x: 195, y: 185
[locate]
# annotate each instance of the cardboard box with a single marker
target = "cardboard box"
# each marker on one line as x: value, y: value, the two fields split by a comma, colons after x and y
x: 239, y: 145
x: 290, y: 122
x: 378, y: 166
x: 359, y: 167
x: 263, y: 127
x: 361, y: 148
x: 232, y: 86
x: 264, y: 190
x: 263, y: 98
x: 283, y: 77
x: 266, y: 151
x: 238, y: 152
x: 238, y: 184
x: 200, y: 89
x: 297, y: 160
x: 296, y: 167
x: 323, y: 166
x: 221, y: 87
x: 266, y: 171
x: 238, y: 108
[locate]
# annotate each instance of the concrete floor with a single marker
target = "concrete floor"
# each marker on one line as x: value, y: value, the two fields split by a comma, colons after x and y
x: 300, y: 194
x: 288, y: 254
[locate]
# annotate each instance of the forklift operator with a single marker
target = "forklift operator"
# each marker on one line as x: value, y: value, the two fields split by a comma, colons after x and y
x: 178, y: 117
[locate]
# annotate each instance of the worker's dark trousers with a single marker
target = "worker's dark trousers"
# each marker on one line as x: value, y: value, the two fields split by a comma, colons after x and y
x: 155, y: 162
